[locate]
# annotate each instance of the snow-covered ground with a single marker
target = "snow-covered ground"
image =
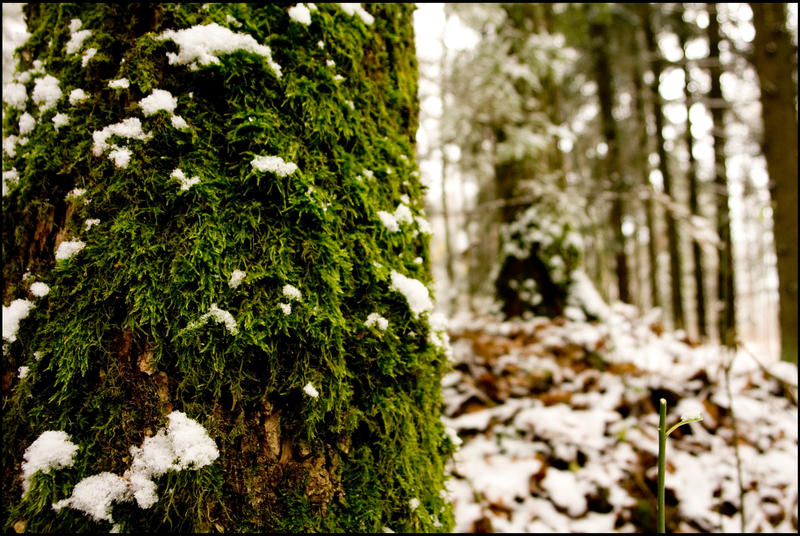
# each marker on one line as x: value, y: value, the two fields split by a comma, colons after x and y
x: 559, y: 424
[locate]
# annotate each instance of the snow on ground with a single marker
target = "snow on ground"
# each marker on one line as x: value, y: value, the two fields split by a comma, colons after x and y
x: 559, y: 424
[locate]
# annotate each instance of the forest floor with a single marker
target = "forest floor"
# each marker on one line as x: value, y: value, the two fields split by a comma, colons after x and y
x: 559, y: 423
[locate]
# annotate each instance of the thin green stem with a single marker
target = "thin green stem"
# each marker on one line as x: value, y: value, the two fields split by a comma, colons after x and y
x: 662, y: 456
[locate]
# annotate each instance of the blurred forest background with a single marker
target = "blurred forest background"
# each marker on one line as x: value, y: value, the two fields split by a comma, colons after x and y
x: 623, y: 140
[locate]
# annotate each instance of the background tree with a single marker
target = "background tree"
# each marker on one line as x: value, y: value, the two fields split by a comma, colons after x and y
x: 211, y: 259
x: 773, y: 52
x: 726, y: 291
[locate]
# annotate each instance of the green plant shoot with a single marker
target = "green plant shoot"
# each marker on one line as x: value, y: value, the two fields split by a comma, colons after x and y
x: 662, y: 454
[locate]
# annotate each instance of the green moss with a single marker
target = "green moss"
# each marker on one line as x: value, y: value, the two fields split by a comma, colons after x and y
x: 115, y: 335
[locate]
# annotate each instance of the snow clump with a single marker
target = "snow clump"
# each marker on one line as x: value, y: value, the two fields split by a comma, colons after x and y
x: 159, y: 99
x: 236, y: 278
x: 94, y: 495
x: 416, y: 294
x: 274, y: 164
x: 310, y: 390
x: 12, y: 315
x: 23, y: 371
x: 121, y: 156
x: 91, y: 222
x: 128, y: 128
x: 75, y: 193
x: 59, y: 120
x: 39, y: 289
x: 68, y: 248
x: 198, y: 44
x: 293, y: 293
x: 51, y: 450
x: 185, y: 183
x: 26, y: 124
x: 220, y: 316
x: 184, y: 444
x: 76, y: 96
x: 77, y: 37
x: 46, y: 92
x: 15, y: 95
x: 301, y: 14
x: 121, y: 83
x: 89, y: 54
x: 10, y: 179
x: 356, y: 9
x: 375, y: 319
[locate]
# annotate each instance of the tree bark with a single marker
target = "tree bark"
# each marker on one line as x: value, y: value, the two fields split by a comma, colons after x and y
x: 775, y: 58
x: 726, y: 293
x: 663, y: 165
x: 322, y: 423
x: 649, y: 205
x: 699, y: 281
x: 612, y: 171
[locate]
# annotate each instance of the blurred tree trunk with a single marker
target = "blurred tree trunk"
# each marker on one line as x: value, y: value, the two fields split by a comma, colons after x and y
x: 663, y: 166
x: 443, y: 141
x: 321, y: 423
x: 599, y: 36
x: 775, y: 60
x: 726, y: 293
x: 699, y: 284
x: 643, y: 167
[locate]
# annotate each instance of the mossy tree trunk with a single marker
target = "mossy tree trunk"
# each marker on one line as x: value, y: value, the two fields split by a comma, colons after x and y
x: 774, y: 58
x: 116, y: 344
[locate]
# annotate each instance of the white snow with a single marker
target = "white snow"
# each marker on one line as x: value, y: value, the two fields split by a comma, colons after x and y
x: 128, y: 128
x: 51, y: 450
x: 46, y: 92
x: 76, y: 96
x: 416, y: 294
x: 274, y: 164
x: 12, y: 315
x: 10, y: 179
x: 185, y: 182
x: 10, y: 145
x: 375, y: 319
x: 88, y: 55
x: 26, y: 124
x: 183, y: 444
x: 199, y: 44
x: 413, y: 504
x: 388, y: 221
x: 286, y: 308
x: 91, y: 222
x: 179, y: 122
x: 237, y: 276
x: 76, y: 40
x: 218, y: 315
x: 291, y: 292
x: 68, y: 248
x: 121, y: 156
x: 23, y: 371
x: 159, y: 99
x: 356, y: 9
x: 75, y: 193
x: 15, y: 95
x: 59, y: 120
x: 39, y: 289
x: 121, y: 83
x: 301, y: 14
x: 310, y: 390
x: 95, y: 494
